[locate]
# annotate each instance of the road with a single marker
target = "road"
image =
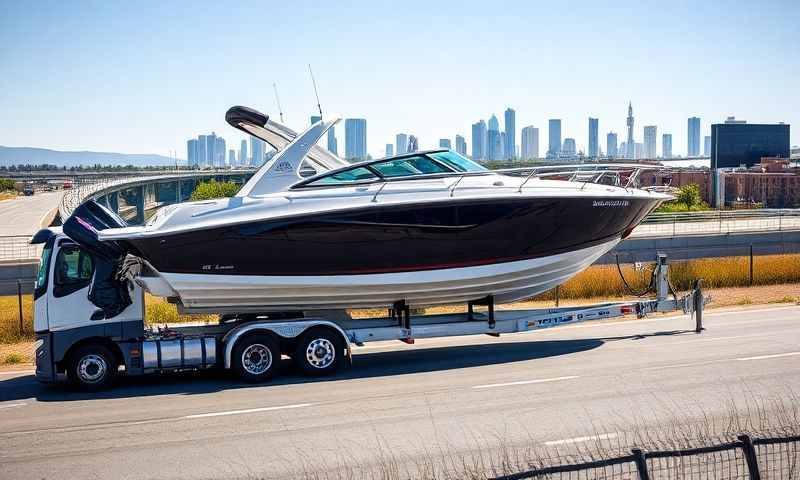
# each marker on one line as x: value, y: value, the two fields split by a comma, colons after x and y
x: 22, y: 215
x: 550, y: 388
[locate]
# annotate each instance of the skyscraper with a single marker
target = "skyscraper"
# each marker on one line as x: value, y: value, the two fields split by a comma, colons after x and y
x: 191, y: 152
x: 707, y: 146
x: 445, y: 143
x: 461, y: 145
x: 211, y: 145
x: 479, y: 140
x: 333, y: 145
x: 355, y: 138
x: 693, y: 135
x: 510, y: 150
x: 219, y: 152
x: 666, y: 145
x: 401, y: 140
x: 257, y: 148
x: 650, y: 132
x: 530, y: 143
x: 232, y: 157
x: 389, y: 149
x: 593, y: 124
x: 611, y: 145
x: 413, y: 143
x: 631, y: 153
x: 493, y: 142
x: 569, y: 149
x: 202, y: 144
x: 554, y: 140
x: 243, y: 158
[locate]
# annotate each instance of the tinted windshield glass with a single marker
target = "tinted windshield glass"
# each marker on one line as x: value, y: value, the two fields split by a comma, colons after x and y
x: 355, y: 175
x: 44, y: 266
x: 403, y: 167
x: 457, y: 162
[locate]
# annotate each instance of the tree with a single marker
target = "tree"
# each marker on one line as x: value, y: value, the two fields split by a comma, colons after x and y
x: 214, y: 189
x: 689, y: 195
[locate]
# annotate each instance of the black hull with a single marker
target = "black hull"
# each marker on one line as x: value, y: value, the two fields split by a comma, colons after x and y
x: 398, y: 238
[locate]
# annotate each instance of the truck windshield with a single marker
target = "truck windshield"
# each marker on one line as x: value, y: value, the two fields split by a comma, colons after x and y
x: 44, y: 265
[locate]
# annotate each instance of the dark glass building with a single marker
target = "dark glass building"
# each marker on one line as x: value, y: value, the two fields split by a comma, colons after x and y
x: 735, y: 144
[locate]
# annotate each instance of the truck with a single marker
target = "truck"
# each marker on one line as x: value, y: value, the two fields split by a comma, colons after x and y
x: 75, y: 340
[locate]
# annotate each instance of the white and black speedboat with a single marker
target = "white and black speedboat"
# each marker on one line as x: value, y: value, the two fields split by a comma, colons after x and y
x: 424, y: 228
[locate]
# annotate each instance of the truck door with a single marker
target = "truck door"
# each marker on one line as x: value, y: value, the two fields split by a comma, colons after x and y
x: 68, y: 304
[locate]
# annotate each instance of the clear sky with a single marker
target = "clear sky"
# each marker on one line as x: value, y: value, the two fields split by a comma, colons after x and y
x: 143, y: 77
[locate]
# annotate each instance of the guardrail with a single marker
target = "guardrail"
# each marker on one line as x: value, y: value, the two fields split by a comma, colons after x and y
x: 718, y: 221
x: 17, y: 248
x: 744, y: 458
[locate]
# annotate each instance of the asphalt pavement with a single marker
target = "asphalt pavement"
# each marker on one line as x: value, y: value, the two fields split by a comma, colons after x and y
x: 549, y: 388
x: 22, y: 215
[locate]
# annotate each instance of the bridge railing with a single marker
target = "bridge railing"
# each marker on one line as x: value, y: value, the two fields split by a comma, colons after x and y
x: 17, y: 248
x: 718, y: 222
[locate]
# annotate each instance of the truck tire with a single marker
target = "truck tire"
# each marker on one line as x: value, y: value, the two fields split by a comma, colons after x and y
x: 92, y: 368
x: 319, y: 352
x: 256, y: 358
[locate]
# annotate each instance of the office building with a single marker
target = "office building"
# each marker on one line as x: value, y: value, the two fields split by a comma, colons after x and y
x: 494, y: 143
x: 333, y: 145
x: 593, y: 135
x: 693, y: 137
x: 611, y: 145
x: 638, y: 150
x: 630, y: 143
x: 355, y: 138
x: 479, y: 140
x: 257, y: 149
x: 707, y: 146
x: 413, y: 144
x: 201, y: 151
x: 389, y: 149
x: 401, y: 141
x: 232, y: 157
x: 510, y: 143
x: 650, y: 132
x: 445, y: 143
x: 569, y: 150
x: 554, y: 137
x: 244, y: 160
x: 530, y: 143
x: 191, y: 153
x: 219, y: 152
x: 461, y: 145
x: 737, y: 144
x: 666, y: 145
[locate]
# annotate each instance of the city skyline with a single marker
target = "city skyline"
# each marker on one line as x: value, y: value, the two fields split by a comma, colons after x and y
x: 161, y: 70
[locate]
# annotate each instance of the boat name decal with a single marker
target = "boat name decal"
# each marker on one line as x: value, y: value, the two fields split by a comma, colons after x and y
x: 610, y: 203
x: 217, y: 267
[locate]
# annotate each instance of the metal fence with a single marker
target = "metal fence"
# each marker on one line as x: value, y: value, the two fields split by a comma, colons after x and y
x: 17, y: 247
x: 745, y: 458
x: 718, y: 221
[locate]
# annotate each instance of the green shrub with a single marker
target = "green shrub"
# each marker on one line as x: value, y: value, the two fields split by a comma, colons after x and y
x: 214, y: 189
x: 6, y: 184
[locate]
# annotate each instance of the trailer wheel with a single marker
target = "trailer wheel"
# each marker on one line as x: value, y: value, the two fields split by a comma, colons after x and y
x: 319, y: 352
x: 256, y: 358
x: 92, y: 368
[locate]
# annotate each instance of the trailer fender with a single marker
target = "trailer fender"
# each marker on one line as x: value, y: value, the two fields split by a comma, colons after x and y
x: 283, y: 329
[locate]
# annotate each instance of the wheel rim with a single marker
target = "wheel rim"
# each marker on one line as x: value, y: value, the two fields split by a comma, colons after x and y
x: 256, y: 359
x: 320, y: 353
x: 92, y: 368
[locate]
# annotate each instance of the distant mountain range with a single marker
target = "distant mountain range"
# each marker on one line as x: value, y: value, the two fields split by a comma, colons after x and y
x: 37, y: 156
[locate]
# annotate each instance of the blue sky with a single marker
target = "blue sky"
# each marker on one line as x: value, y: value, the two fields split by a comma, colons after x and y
x: 142, y: 77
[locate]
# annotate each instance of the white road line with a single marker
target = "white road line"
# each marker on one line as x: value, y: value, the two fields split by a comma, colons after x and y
x: 249, y: 410
x: 524, y: 382
x: 12, y: 405
x: 602, y: 436
x: 764, y: 357
x: 15, y: 372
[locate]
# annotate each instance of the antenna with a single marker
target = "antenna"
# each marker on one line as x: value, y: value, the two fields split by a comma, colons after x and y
x: 277, y: 100
x: 316, y: 94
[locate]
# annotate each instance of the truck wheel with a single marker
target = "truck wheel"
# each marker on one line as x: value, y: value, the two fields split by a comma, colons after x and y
x: 319, y: 352
x: 256, y: 358
x: 92, y: 368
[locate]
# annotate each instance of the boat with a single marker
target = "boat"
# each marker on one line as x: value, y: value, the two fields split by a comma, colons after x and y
x: 422, y: 228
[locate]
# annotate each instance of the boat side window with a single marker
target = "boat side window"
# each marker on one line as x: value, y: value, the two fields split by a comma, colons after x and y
x: 353, y: 175
x: 409, y: 166
x: 73, y: 270
x: 458, y: 162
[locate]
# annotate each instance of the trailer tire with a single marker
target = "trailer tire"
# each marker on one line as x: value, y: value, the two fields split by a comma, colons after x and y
x: 256, y: 358
x: 92, y: 368
x: 319, y: 352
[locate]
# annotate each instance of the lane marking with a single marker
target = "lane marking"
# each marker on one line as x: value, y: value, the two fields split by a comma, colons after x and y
x: 525, y: 382
x: 602, y: 436
x: 15, y: 372
x: 12, y: 405
x: 764, y: 357
x: 249, y: 410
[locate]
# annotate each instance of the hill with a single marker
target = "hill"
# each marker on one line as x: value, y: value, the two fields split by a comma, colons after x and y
x: 37, y: 156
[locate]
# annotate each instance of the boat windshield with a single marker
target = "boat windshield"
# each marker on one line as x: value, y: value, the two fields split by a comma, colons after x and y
x: 458, y: 162
x: 404, y: 167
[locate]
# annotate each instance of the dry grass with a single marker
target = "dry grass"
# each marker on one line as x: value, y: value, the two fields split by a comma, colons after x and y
x: 158, y: 311
x: 7, y: 195
x: 9, y: 319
